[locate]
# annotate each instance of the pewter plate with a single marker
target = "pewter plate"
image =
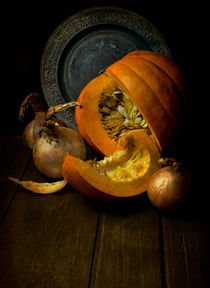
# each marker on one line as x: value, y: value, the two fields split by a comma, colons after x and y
x: 85, y: 44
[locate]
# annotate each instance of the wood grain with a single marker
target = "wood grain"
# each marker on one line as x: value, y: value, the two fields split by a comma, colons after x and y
x: 66, y: 240
x: 14, y: 158
x: 187, y: 252
x: 47, y: 241
x: 128, y: 248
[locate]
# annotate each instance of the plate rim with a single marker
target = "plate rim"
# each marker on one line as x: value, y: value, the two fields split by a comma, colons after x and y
x: 76, y: 23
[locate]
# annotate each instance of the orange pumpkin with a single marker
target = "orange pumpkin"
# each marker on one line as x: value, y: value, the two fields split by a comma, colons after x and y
x: 125, y: 173
x: 143, y: 90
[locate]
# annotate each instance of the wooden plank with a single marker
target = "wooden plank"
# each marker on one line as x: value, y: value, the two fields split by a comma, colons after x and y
x: 47, y: 240
x: 128, y: 250
x: 187, y: 252
x: 14, y: 157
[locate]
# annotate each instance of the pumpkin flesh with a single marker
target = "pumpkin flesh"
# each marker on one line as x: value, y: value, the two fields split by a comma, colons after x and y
x: 125, y: 173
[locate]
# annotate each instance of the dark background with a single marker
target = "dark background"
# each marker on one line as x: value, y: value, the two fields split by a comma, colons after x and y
x: 27, y: 27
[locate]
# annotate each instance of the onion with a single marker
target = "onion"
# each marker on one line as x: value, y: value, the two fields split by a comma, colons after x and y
x: 32, y: 129
x: 48, y: 154
x: 51, y: 147
x: 42, y: 115
x: 170, y: 187
x: 29, y: 137
x: 50, y: 140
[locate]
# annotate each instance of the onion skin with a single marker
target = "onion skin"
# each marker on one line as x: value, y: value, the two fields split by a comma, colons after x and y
x: 41, y: 188
x: 29, y: 137
x: 32, y: 129
x: 169, y: 188
x: 51, y: 148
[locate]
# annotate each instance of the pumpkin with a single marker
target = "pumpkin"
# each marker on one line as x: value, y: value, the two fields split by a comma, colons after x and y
x: 143, y: 90
x: 125, y: 173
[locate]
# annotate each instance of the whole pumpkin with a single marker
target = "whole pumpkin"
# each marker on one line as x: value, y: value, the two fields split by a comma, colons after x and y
x: 143, y: 90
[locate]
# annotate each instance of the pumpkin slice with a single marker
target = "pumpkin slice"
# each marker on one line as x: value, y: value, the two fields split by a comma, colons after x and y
x: 125, y: 173
x: 143, y: 90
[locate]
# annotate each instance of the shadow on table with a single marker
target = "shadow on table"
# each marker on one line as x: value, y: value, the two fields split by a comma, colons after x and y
x: 196, y: 208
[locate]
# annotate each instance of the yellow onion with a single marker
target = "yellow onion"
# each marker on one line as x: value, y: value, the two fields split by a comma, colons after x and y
x: 32, y: 129
x: 170, y: 187
x: 52, y: 146
x: 48, y: 155
x: 50, y: 140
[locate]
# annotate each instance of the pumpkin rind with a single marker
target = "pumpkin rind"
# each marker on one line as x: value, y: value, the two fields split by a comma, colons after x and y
x: 73, y: 176
x: 153, y: 82
x: 166, y: 64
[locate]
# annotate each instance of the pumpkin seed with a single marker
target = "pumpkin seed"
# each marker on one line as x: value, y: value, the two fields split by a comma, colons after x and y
x: 119, y: 114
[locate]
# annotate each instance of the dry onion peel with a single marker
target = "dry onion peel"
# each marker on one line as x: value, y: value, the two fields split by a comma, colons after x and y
x: 41, y: 188
x: 59, y: 108
x: 35, y: 101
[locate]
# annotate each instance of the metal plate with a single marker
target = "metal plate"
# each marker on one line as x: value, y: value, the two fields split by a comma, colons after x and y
x: 85, y: 44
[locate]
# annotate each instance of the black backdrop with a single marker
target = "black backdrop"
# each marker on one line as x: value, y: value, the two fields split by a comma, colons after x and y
x: 27, y: 27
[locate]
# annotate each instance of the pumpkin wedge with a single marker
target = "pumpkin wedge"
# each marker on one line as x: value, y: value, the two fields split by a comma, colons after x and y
x: 143, y: 90
x: 125, y: 173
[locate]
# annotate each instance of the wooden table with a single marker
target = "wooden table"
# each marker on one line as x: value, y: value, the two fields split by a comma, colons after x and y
x: 66, y: 240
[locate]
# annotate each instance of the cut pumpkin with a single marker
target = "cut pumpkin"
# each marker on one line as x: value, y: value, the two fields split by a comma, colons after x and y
x: 125, y: 173
x: 143, y: 90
